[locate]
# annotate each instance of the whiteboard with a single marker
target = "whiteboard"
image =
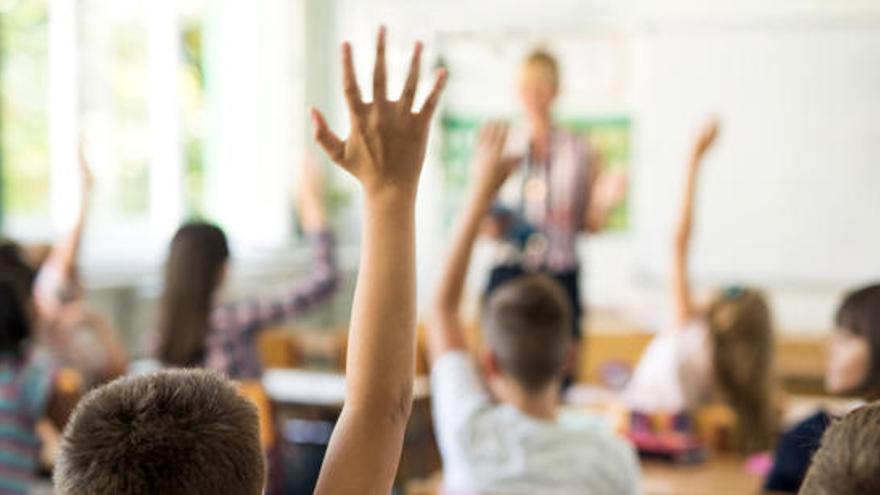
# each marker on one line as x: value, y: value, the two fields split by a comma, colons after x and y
x: 791, y: 193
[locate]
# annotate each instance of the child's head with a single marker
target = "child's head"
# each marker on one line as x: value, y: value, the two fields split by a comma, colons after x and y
x: 849, y: 459
x: 194, y: 272
x: 16, y: 308
x: 171, y: 432
x: 527, y: 324
x: 741, y: 336
x: 538, y: 83
x: 854, y: 352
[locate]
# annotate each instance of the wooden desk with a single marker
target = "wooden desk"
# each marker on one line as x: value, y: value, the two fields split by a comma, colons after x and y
x: 722, y: 475
x: 307, y: 400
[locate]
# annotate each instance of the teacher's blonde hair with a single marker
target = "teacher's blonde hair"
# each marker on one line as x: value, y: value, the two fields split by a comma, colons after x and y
x: 540, y: 66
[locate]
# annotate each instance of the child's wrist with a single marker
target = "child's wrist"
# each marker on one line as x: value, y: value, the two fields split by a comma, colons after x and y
x: 390, y: 195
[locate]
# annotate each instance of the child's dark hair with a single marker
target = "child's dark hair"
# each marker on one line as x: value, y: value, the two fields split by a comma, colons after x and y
x: 849, y: 459
x: 173, y: 432
x: 192, y: 275
x: 859, y: 313
x: 527, y: 324
x: 16, y: 286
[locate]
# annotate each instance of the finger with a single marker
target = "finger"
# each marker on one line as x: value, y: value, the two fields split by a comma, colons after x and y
x: 412, y: 80
x: 349, y: 82
x: 379, y: 73
x: 330, y: 142
x: 430, y: 105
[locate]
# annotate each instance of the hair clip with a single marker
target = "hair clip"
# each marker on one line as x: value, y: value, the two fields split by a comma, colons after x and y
x: 733, y: 291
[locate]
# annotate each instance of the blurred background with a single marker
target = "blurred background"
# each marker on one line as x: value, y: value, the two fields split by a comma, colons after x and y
x: 198, y: 108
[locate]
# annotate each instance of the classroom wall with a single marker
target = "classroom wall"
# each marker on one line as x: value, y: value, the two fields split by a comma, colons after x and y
x: 626, y: 271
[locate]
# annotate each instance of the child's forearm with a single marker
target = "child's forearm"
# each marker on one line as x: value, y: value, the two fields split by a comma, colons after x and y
x: 685, y: 307
x: 491, y: 170
x: 686, y: 213
x: 381, y: 359
x: 66, y: 251
x: 65, y: 254
x: 445, y: 331
x: 449, y: 293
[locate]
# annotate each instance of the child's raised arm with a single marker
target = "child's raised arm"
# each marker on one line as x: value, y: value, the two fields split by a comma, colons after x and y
x: 64, y: 256
x: 384, y: 152
x: 66, y: 252
x: 491, y: 170
x: 685, y: 307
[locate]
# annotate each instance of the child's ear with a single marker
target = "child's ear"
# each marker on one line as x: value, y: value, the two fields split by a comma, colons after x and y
x: 489, y: 362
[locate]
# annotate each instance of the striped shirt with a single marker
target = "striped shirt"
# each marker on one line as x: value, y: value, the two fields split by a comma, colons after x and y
x: 551, y: 196
x: 231, y: 342
x: 25, y: 386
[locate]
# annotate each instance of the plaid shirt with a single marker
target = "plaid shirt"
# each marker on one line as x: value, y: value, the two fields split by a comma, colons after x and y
x: 234, y: 326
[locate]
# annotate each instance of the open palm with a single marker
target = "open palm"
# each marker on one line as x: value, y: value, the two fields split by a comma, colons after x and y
x: 387, y: 143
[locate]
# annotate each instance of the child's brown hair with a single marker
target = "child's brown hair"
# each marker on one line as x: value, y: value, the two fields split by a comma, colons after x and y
x: 741, y: 336
x: 849, y: 459
x: 171, y: 432
x: 16, y: 287
x: 528, y: 327
x: 859, y: 314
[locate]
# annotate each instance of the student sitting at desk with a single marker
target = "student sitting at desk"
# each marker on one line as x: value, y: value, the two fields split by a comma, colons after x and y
x: 514, y: 442
x: 195, y: 331
x: 723, y: 351
x: 59, y: 296
x: 32, y: 391
x: 853, y: 371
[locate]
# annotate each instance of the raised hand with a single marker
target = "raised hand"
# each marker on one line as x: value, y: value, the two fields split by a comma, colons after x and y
x: 705, y: 139
x: 685, y: 307
x: 387, y: 143
x: 492, y: 167
x: 384, y: 152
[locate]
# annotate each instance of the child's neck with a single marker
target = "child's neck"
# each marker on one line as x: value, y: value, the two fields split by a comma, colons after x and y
x: 543, y: 404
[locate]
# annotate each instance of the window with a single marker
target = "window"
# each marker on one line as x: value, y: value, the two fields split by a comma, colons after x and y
x: 192, y: 99
x: 187, y: 109
x: 24, y: 132
x: 114, y: 109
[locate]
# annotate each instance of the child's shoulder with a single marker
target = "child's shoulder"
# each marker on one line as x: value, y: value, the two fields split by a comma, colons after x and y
x: 26, y: 380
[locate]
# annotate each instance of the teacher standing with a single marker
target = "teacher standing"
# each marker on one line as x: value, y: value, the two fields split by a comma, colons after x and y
x: 555, y: 194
